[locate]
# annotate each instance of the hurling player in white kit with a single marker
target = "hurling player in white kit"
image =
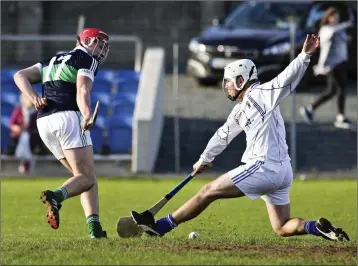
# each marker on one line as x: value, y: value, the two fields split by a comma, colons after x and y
x: 267, y: 171
x: 63, y: 111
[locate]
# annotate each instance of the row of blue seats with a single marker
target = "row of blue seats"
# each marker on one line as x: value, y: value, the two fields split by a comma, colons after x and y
x: 119, y: 132
x: 102, y: 74
x: 5, y: 132
x: 117, y: 128
x: 108, y: 105
x: 101, y: 86
x: 121, y: 102
x: 124, y: 87
x: 12, y: 97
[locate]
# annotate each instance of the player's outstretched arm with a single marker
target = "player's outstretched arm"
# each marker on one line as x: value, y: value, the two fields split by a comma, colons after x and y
x: 84, y: 87
x: 220, y: 140
x: 280, y: 87
x: 23, y: 80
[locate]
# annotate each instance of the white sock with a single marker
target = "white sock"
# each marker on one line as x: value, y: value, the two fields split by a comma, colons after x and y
x: 340, y: 117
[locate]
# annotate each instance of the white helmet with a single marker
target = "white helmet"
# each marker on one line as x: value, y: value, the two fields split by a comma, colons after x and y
x: 244, y: 68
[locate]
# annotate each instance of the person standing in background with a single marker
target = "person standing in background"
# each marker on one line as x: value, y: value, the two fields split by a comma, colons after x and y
x: 332, y: 63
x: 24, y: 136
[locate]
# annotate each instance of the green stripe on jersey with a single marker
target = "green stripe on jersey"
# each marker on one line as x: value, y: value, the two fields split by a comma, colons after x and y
x: 68, y: 74
x: 43, y: 73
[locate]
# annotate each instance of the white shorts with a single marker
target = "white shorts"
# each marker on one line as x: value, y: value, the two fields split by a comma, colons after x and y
x: 271, y: 182
x: 62, y: 131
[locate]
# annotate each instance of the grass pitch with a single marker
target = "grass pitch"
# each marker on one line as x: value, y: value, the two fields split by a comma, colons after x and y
x: 234, y: 231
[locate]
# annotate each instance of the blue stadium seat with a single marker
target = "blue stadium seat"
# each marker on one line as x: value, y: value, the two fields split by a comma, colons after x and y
x: 122, y: 106
x: 97, y: 133
x: 102, y: 97
x: 106, y: 74
x: 5, y: 132
x: 101, y: 122
x: 9, y: 86
x: 97, y: 138
x: 10, y: 97
x: 128, y: 85
x: 128, y: 95
x: 128, y: 75
x: 7, y: 75
x: 102, y: 86
x: 6, y: 109
x: 128, y: 82
x: 124, y: 97
x: 124, y: 109
x: 103, y: 108
x: 127, y: 89
x: 120, y: 134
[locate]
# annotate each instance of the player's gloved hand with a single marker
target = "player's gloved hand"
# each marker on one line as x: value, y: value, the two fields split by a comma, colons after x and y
x: 200, y: 166
x: 40, y: 103
x: 311, y: 44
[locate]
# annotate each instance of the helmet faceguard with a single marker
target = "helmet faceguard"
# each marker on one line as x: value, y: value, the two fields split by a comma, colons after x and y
x: 226, y: 91
x: 95, y: 40
x: 243, y: 68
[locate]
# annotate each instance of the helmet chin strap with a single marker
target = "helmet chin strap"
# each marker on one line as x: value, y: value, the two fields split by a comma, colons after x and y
x: 234, y: 98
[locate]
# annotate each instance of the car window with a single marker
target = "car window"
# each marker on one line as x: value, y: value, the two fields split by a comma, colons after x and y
x: 266, y: 14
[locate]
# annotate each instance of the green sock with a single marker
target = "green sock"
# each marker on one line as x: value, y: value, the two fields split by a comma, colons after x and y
x: 94, y: 226
x: 61, y: 194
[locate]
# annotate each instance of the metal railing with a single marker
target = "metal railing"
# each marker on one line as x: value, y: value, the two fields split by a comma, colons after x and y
x: 138, y: 44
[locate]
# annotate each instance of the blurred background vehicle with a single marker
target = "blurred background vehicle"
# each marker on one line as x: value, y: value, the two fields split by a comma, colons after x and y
x: 260, y: 31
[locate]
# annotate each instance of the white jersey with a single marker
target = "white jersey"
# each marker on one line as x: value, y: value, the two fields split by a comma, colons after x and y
x: 259, y: 116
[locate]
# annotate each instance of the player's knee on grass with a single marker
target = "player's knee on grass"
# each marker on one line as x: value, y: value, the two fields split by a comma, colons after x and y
x: 279, y: 231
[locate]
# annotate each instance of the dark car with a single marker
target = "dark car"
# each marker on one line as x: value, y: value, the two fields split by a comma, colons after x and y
x: 260, y: 31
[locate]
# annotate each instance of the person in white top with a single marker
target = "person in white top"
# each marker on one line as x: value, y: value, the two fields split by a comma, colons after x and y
x: 332, y: 63
x: 267, y: 171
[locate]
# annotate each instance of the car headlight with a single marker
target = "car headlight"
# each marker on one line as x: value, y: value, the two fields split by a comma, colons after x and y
x: 281, y: 48
x: 195, y: 46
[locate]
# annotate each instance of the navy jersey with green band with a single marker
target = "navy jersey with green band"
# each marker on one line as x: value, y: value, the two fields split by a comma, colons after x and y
x: 59, y: 75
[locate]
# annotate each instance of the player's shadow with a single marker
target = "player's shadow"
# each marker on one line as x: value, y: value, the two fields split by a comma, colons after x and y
x: 319, y: 148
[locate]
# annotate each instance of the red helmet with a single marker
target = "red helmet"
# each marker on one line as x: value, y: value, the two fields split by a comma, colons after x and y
x: 91, y: 38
